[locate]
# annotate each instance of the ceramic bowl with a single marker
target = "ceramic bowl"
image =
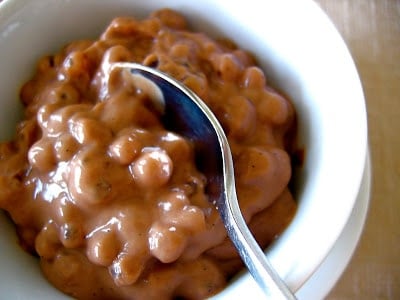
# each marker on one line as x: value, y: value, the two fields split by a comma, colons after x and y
x: 302, y: 55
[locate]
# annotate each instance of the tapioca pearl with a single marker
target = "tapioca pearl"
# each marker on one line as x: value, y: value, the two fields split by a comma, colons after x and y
x: 209, y: 48
x: 133, y: 224
x: 66, y: 211
x: 56, y: 125
x: 69, y: 265
x: 125, y: 148
x: 254, y: 166
x: 59, y: 58
x: 103, y: 247
x: 74, y: 110
x: 41, y: 155
x: 273, y: 108
x: 174, y: 201
x: 117, y: 53
x: 244, y: 57
x: 71, y: 235
x: 176, y: 210
x: 192, y: 185
x: 177, y: 147
x: 46, y: 64
x: 188, y: 188
x: 180, y: 51
x: 152, y: 169
x: 62, y: 94
x: 144, y: 135
x: 89, y: 179
x: 282, y: 160
x: 198, y: 85
x: 94, y: 51
x: 54, y: 119
x: 190, y: 218
x: 228, y: 67
x: 166, y: 243
x: 124, y: 110
x: 28, y: 92
x: 65, y: 147
x: 170, y: 18
x: 76, y: 67
x: 127, y: 268
x: 120, y: 27
x: 88, y: 130
x: 253, y: 77
x: 47, y: 241
x: 176, y: 70
x: 43, y: 115
x: 150, y: 26
x: 240, y: 117
x: 151, y: 60
x: 264, y: 167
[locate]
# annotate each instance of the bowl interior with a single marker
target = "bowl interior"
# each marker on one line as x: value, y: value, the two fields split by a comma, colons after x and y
x: 302, y: 54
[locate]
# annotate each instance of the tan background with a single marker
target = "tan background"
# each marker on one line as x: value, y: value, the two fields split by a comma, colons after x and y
x: 371, y: 29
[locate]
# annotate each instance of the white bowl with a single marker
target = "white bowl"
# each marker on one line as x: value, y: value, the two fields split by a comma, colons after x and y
x: 302, y: 54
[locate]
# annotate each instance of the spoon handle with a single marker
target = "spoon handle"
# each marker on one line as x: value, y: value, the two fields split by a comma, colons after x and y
x: 250, y: 252
x: 257, y: 263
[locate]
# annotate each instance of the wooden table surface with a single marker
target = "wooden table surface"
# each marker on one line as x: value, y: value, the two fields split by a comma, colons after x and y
x: 371, y: 29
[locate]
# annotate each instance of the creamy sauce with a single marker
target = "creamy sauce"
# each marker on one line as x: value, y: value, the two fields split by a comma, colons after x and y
x: 112, y: 202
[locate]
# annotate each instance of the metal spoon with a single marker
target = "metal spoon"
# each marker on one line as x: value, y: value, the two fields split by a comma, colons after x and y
x: 186, y: 114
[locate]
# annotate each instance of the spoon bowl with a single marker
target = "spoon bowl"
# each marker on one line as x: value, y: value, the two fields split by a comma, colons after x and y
x: 186, y: 114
